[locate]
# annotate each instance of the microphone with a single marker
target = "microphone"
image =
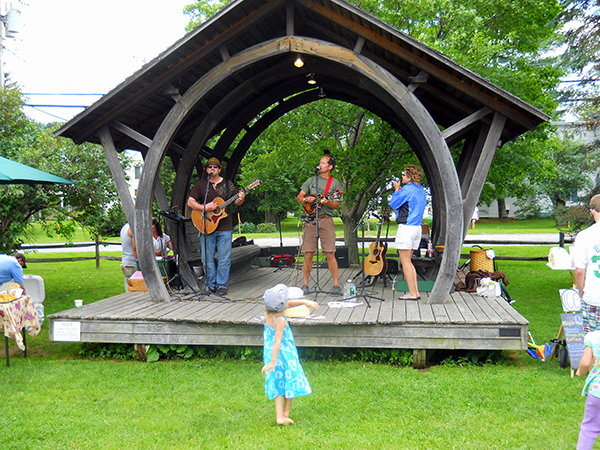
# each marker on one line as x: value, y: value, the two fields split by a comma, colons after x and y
x: 318, y: 167
x: 211, y: 172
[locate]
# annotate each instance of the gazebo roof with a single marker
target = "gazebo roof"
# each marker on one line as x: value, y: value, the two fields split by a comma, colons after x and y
x: 448, y: 91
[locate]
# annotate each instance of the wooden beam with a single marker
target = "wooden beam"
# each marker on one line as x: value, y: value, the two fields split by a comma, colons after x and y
x: 116, y: 170
x: 139, y: 137
x: 171, y: 91
x: 450, y: 133
x: 360, y: 42
x: 482, y: 164
x: 289, y: 18
x: 224, y: 52
x: 415, y: 82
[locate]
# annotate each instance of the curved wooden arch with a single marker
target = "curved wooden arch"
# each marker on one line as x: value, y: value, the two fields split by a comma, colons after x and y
x: 420, y: 131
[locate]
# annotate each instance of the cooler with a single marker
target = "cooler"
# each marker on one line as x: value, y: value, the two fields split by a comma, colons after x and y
x: 34, y: 287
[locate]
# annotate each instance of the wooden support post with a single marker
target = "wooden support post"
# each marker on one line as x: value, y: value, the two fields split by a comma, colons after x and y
x: 97, y: 245
x: 419, y: 358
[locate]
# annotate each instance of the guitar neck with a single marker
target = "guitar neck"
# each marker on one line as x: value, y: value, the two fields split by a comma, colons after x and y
x: 232, y: 199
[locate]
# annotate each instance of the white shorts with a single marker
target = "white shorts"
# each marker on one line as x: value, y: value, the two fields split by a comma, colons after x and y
x: 408, y: 237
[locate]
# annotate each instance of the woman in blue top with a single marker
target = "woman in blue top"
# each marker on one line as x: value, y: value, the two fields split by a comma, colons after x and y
x: 410, y: 201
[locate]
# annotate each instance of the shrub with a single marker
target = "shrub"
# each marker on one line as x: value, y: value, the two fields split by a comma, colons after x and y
x: 572, y: 219
x: 266, y: 227
x: 247, y: 227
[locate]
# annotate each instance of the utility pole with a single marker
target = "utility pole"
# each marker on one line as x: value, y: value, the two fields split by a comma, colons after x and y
x: 10, y: 26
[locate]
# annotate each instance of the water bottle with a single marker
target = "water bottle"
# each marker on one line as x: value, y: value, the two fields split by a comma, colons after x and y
x: 429, y: 248
x: 349, y: 291
x: 39, y: 312
x: 492, y: 290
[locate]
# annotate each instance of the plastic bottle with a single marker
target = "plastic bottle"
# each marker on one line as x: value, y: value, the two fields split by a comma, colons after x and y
x: 39, y: 311
x: 429, y: 248
x: 349, y: 291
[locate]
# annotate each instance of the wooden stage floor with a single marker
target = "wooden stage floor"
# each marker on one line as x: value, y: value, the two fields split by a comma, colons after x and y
x: 463, y: 321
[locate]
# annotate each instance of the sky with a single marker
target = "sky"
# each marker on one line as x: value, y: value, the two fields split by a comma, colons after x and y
x: 85, y: 47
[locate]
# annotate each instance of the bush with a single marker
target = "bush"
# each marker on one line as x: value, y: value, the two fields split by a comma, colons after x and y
x: 572, y: 219
x: 247, y: 227
x: 266, y: 227
x: 113, y: 221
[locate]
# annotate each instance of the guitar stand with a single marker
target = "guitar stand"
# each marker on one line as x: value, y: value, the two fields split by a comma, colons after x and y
x: 372, y: 279
x: 361, y: 223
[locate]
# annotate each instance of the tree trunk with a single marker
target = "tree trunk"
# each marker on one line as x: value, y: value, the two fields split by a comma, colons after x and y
x: 502, y: 208
x: 271, y: 217
x: 351, y: 241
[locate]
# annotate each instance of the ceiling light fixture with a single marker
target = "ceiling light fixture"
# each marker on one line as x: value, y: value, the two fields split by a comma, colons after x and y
x: 311, y: 78
x: 321, y: 93
x: 298, y: 63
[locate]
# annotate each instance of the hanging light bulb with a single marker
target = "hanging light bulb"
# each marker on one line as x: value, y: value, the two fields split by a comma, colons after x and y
x: 321, y: 93
x: 298, y: 63
x: 311, y: 79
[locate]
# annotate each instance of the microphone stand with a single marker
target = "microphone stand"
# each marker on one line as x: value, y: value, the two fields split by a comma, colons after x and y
x: 317, y: 287
x: 203, y: 230
x: 281, y: 263
x: 179, y: 220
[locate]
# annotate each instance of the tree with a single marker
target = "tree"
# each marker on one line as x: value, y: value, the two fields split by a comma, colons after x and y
x: 30, y: 143
x: 366, y: 148
x: 502, y: 40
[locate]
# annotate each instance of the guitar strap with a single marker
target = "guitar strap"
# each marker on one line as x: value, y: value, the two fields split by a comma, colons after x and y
x: 328, y: 186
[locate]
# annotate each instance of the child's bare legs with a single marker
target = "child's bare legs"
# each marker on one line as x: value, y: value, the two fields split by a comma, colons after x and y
x: 288, y: 406
x: 282, y: 409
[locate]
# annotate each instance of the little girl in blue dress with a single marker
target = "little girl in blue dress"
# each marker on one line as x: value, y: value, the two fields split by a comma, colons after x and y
x: 284, y: 377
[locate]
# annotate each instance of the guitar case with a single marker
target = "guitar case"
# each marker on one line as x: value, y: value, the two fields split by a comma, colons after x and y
x: 285, y: 260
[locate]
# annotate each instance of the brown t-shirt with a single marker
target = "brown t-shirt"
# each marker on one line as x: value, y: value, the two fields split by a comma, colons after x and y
x: 214, y: 191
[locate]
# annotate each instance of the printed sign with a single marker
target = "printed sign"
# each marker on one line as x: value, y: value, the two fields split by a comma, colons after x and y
x: 570, y: 300
x: 67, y: 331
x: 573, y: 329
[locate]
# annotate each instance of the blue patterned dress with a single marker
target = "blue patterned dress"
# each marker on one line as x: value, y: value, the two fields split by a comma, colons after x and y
x: 287, y: 378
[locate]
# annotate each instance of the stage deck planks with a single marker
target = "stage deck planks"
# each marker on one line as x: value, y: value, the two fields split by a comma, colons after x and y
x: 463, y: 321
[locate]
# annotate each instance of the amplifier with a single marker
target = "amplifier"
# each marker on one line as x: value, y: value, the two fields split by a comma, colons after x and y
x: 341, y: 256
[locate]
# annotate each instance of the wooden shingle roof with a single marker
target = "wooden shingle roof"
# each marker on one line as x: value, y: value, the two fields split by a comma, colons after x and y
x: 141, y: 102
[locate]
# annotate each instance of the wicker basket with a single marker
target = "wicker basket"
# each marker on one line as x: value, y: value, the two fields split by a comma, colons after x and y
x: 480, y: 261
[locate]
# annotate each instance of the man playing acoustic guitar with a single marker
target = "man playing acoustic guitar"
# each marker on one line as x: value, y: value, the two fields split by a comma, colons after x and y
x: 325, y: 196
x: 220, y: 239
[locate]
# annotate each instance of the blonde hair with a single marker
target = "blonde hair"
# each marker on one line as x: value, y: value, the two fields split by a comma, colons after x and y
x: 414, y: 173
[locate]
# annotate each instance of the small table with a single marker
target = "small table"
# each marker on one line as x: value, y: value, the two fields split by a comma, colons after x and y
x: 16, y: 316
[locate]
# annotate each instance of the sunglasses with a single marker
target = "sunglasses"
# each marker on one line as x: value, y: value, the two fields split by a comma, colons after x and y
x: 212, y: 167
x: 404, y: 175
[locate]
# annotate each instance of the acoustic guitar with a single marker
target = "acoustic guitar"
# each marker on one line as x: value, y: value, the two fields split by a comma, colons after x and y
x: 311, y: 208
x: 375, y: 263
x: 214, y: 217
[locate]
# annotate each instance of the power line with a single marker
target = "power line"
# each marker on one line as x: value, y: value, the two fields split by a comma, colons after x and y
x: 56, y: 106
x: 66, y: 94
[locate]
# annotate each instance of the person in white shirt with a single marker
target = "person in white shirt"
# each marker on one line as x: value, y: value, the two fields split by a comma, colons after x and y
x: 586, y: 258
x: 161, y: 241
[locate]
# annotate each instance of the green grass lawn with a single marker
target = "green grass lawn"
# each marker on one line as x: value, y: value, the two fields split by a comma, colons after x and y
x: 290, y: 228
x: 57, y: 399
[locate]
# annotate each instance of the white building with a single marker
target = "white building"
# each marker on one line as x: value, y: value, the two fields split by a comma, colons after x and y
x: 578, y: 131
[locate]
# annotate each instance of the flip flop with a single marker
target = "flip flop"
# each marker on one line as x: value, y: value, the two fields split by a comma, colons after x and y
x: 406, y: 297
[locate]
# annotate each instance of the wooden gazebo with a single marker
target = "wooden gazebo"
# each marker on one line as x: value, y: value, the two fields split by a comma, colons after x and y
x: 217, y: 79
